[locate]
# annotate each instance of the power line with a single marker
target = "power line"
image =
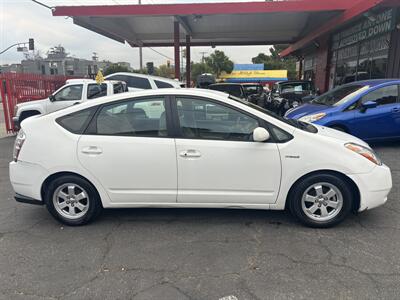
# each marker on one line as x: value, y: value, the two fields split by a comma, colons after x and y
x: 160, y: 53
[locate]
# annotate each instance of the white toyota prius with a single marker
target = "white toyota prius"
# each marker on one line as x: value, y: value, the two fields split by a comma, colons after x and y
x: 191, y: 148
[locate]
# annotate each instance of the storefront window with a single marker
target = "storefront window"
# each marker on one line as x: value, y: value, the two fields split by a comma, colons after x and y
x: 361, y: 51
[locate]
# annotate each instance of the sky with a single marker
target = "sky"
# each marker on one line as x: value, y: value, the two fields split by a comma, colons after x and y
x: 24, y: 19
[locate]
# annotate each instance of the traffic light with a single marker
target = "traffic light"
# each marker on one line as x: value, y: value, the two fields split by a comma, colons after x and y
x: 150, y: 68
x: 31, y: 44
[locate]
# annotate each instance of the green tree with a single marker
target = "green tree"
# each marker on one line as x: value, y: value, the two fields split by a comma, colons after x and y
x: 219, y: 62
x: 164, y: 71
x: 114, y: 68
x: 198, y: 69
x: 274, y: 62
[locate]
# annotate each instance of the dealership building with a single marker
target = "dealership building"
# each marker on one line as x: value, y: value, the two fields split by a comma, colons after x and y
x: 367, y: 46
x: 334, y: 41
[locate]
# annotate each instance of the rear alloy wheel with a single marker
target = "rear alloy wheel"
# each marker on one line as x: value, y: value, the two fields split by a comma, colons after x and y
x: 72, y: 200
x: 321, y: 200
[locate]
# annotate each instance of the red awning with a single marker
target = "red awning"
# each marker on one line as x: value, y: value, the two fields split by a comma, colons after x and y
x: 244, y: 23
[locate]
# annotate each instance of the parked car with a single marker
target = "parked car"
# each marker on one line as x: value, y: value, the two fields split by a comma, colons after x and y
x: 367, y: 109
x: 137, y: 82
x: 251, y: 92
x: 204, y: 80
x: 290, y: 94
x: 75, y: 91
x: 191, y: 148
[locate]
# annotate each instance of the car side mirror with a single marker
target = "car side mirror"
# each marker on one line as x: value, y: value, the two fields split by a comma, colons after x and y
x: 52, y: 98
x: 260, y: 135
x: 368, y: 105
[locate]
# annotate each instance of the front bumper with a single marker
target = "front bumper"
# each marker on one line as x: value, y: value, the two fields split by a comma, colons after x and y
x: 374, y: 187
x: 27, y: 179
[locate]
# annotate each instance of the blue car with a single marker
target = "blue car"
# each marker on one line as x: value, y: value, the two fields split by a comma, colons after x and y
x: 367, y: 109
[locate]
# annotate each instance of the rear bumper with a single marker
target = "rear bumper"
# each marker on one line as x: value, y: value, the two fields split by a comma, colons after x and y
x: 374, y: 187
x: 27, y: 179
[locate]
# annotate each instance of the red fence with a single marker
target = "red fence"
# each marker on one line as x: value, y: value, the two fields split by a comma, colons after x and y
x: 17, y: 88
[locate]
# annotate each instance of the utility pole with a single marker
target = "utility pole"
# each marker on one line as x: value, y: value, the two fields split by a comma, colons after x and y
x: 202, y: 57
x: 140, y: 49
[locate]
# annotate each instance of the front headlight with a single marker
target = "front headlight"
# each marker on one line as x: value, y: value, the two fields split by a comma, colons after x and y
x: 312, y: 118
x: 363, y: 151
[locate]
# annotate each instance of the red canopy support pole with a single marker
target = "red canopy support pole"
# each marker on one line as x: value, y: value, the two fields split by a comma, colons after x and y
x: 176, y: 48
x: 188, y: 66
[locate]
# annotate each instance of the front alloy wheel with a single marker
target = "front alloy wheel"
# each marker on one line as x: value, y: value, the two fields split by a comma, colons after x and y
x: 321, y: 200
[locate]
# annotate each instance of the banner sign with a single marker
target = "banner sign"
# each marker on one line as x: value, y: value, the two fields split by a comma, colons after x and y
x: 257, y: 74
x: 374, y: 26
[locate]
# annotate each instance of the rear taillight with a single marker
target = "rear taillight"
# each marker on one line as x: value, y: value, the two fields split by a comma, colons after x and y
x: 19, y: 141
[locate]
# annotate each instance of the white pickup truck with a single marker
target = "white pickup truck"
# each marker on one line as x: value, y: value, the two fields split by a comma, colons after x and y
x: 73, y: 92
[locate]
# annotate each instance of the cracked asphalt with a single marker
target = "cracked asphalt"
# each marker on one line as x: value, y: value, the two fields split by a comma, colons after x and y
x: 198, y: 253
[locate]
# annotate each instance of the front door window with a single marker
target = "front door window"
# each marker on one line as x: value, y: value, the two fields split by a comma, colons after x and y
x: 70, y: 93
x: 204, y: 119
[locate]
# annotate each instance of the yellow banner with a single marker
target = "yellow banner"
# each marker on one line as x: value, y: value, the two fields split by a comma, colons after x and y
x: 257, y: 74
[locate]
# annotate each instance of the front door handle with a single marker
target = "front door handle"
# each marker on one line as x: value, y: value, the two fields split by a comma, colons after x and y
x: 92, y: 150
x: 396, y: 109
x: 190, y: 153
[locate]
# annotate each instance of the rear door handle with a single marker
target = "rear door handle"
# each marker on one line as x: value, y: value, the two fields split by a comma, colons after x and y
x: 396, y: 109
x: 190, y: 153
x: 93, y: 150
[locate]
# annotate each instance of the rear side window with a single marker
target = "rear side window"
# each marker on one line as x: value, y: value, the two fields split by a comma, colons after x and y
x: 96, y: 90
x: 77, y: 121
x: 138, y: 82
x: 118, y: 88
x: 141, y: 117
x: 162, y: 84
x: 133, y: 81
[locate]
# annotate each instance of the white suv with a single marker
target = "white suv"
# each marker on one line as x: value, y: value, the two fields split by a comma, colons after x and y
x: 137, y: 81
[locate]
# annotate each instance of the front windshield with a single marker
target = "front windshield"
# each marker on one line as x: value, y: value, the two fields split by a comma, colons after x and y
x: 233, y: 90
x: 251, y: 89
x: 340, y: 95
x: 292, y: 122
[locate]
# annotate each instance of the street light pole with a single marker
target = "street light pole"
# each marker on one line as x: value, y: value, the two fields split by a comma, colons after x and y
x: 140, y: 49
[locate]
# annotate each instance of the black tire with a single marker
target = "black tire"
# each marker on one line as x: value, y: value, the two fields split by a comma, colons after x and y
x: 28, y: 114
x: 92, y: 201
x: 301, y: 187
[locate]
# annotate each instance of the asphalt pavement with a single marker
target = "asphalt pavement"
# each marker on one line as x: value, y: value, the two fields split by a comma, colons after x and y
x: 198, y: 253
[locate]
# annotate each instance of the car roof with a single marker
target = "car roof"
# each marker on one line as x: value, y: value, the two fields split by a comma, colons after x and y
x: 293, y: 81
x: 164, y: 79
x: 225, y: 83
x: 86, y: 80
x: 374, y: 82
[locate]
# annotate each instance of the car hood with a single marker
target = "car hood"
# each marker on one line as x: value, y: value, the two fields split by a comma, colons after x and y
x: 339, y: 135
x: 306, y: 109
x: 34, y: 102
